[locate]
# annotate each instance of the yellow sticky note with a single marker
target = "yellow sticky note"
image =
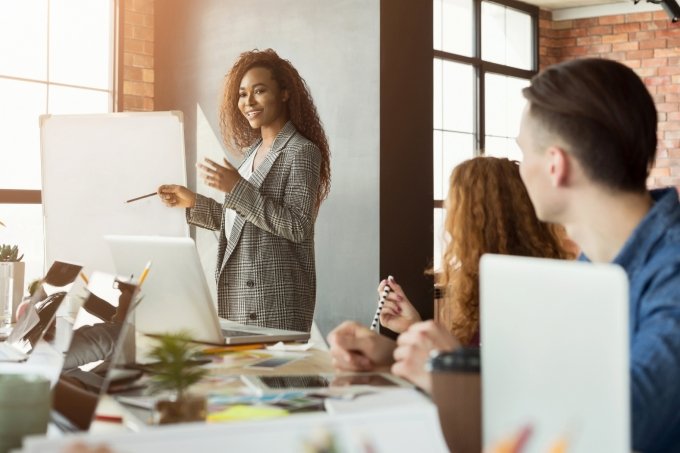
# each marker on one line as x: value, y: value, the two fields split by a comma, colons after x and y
x: 243, y: 412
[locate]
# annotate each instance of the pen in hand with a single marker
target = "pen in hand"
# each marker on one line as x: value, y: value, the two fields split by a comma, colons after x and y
x: 381, y: 302
x: 142, y: 197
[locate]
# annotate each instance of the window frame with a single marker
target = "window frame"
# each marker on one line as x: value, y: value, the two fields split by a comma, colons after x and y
x: 481, y: 67
x: 34, y: 196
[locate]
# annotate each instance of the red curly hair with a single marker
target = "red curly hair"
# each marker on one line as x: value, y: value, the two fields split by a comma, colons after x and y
x: 237, y: 133
x: 488, y: 211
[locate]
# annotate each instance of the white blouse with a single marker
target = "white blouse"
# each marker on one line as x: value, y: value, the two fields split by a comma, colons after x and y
x: 245, y: 170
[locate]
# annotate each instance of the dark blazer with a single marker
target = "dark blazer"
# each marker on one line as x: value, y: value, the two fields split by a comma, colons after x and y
x: 265, y: 272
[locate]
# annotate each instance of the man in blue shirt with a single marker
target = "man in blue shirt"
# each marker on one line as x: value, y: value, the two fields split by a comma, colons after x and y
x: 588, y: 137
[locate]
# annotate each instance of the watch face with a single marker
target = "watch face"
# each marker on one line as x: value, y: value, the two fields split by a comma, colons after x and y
x: 462, y: 359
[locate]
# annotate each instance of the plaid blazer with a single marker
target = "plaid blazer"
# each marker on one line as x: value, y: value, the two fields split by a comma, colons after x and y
x: 265, y: 271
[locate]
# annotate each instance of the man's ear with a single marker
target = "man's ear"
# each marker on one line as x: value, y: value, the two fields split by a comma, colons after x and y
x: 285, y: 96
x: 559, y: 166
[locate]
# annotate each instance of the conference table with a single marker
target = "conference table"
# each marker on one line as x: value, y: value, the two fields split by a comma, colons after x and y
x: 398, y: 419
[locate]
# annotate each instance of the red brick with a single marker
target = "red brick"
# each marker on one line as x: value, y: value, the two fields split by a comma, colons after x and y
x: 652, y: 44
x: 618, y: 19
x: 131, y: 73
x: 659, y: 15
x: 657, y: 172
x: 142, y: 61
x: 674, y: 153
x: 666, y: 89
x: 562, y: 24
x: 142, y: 6
x: 670, y: 126
x: 663, y: 53
x: 586, y: 40
x: 600, y: 48
x: 643, y: 35
x: 148, y: 104
x: 625, y: 46
x: 133, y: 18
x: 654, y: 25
x: 670, y: 69
x: 646, y: 72
x: 570, y: 33
x: 672, y: 135
x: 578, y: 51
x: 654, y: 62
x: 132, y: 102
x: 639, y: 17
x: 147, y: 89
x: 651, y: 81
x: 599, y: 30
x: 583, y: 23
x: 639, y: 54
x: 148, y: 75
x: 633, y: 64
x: 673, y: 116
x: 627, y: 27
x: 616, y: 56
x: 668, y: 33
x: 545, y: 14
x: 668, y: 107
x: 142, y: 33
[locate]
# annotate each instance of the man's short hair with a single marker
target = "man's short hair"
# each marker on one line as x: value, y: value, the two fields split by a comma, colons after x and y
x: 604, y: 114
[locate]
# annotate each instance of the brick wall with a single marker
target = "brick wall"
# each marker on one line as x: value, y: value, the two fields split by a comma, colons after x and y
x: 137, y: 41
x: 648, y: 43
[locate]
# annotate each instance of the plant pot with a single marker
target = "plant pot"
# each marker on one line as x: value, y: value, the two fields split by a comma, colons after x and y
x: 187, y: 409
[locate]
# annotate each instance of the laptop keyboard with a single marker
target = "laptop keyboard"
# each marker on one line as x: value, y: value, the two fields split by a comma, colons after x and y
x: 236, y: 333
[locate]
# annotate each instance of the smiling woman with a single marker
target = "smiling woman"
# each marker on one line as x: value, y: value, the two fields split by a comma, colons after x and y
x: 265, y: 264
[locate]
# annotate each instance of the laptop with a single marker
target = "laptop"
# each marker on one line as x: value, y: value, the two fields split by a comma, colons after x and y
x: 555, y: 354
x: 176, y: 296
x: 34, y: 322
x: 101, y: 344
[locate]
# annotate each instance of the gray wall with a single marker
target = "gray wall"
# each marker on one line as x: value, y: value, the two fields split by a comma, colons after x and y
x: 335, y: 45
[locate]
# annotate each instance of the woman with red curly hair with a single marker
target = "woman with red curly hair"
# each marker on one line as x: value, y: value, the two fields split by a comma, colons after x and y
x: 488, y: 211
x: 265, y: 265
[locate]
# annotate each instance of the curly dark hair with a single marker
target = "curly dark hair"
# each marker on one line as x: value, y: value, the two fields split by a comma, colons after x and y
x: 488, y: 211
x: 236, y: 131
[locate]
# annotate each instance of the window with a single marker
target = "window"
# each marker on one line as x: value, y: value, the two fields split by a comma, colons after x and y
x: 56, y: 57
x: 484, y: 53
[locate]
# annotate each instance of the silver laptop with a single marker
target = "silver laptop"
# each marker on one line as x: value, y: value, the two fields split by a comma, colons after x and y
x: 555, y: 354
x: 175, y: 294
x: 34, y: 322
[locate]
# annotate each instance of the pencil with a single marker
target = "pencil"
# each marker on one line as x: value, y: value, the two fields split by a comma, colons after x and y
x: 109, y: 418
x: 84, y: 277
x: 142, y: 197
x: 145, y: 272
x: 381, y: 302
x: 232, y: 348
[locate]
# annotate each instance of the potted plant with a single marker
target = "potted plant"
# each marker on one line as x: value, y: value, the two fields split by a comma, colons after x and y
x: 176, y: 369
x: 12, y: 271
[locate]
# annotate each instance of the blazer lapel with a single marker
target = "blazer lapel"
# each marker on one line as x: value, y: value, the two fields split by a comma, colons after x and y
x: 257, y: 178
x: 280, y: 142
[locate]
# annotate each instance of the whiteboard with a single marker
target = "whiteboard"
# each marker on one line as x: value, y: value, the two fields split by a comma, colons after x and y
x: 92, y: 164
